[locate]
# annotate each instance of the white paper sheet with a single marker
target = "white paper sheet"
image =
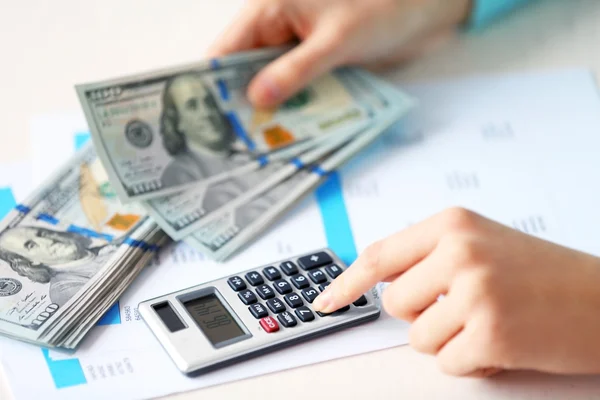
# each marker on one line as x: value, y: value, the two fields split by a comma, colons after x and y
x: 520, y: 149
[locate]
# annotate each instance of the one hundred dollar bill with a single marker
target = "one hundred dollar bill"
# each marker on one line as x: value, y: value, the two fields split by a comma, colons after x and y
x: 158, y: 133
x: 232, y: 230
x: 182, y: 213
x: 80, y: 193
x: 58, y: 248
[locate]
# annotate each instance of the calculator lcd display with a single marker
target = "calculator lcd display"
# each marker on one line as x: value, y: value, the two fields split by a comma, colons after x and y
x: 214, y: 319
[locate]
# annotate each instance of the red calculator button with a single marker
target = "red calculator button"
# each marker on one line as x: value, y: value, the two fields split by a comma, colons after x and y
x: 269, y: 324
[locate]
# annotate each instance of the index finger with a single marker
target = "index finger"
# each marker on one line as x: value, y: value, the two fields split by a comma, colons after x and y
x: 380, y: 261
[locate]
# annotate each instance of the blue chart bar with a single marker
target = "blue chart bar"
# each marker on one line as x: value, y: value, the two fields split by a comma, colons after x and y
x: 335, y: 219
x: 81, y: 139
x: 65, y: 373
x: 7, y: 201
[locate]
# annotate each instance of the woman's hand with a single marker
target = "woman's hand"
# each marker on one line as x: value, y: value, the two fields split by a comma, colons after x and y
x: 511, y: 301
x: 332, y: 33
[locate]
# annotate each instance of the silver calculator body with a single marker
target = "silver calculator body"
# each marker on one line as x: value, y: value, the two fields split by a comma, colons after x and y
x: 228, y: 320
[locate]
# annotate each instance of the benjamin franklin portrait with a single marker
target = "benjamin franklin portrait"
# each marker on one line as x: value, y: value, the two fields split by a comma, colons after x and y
x: 194, y: 132
x: 65, y: 261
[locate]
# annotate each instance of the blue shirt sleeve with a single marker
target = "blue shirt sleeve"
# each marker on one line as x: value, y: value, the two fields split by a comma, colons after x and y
x: 485, y: 11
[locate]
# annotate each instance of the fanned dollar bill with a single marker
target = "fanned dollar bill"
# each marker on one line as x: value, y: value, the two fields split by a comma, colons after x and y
x: 227, y: 232
x: 161, y: 132
x: 181, y: 213
x: 67, y: 251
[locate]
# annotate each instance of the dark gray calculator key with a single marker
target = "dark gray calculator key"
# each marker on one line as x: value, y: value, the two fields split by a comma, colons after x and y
x: 337, y: 312
x: 258, y: 310
x: 362, y: 300
x: 265, y: 292
x: 276, y: 305
x: 310, y: 294
x: 247, y: 297
x: 323, y: 286
x: 272, y: 273
x: 287, y: 319
x: 333, y: 270
x: 315, y: 260
x: 289, y: 268
x: 300, y: 281
x: 342, y: 310
x: 293, y: 300
x: 304, y: 314
x: 282, y: 286
x: 317, y: 276
x: 254, y: 278
x: 236, y: 283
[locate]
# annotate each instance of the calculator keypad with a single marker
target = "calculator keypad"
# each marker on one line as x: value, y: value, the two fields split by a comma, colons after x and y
x: 333, y: 270
x: 316, y: 260
x: 258, y: 310
x: 271, y: 273
x: 304, y: 314
x: 289, y: 268
x: 276, y: 305
x: 265, y: 292
x: 310, y: 294
x: 317, y: 272
x: 287, y: 319
x: 247, y: 297
x: 300, y: 281
x: 283, y: 287
x: 293, y: 300
x: 317, y: 276
x: 254, y: 278
x: 236, y: 283
x: 269, y: 324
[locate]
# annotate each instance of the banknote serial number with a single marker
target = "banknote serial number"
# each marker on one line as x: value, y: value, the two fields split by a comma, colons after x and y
x: 106, y: 93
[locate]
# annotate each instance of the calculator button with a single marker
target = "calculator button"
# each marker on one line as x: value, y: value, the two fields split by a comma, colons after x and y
x: 269, y: 324
x: 282, y: 286
x: 310, y: 294
x: 294, y: 300
x: 305, y: 314
x: 287, y: 319
x: 271, y: 273
x: 362, y: 300
x: 276, y: 305
x: 317, y: 276
x: 337, y: 312
x: 254, y: 278
x: 342, y: 310
x: 289, y: 268
x: 323, y: 286
x: 236, y: 283
x: 258, y: 310
x: 300, y: 281
x: 247, y: 297
x: 333, y: 270
x: 314, y: 260
x: 265, y: 292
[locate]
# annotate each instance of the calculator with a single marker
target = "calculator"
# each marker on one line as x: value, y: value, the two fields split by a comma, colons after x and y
x: 263, y: 309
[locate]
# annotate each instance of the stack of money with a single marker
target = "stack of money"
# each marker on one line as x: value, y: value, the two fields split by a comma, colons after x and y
x: 186, y: 145
x: 68, y: 252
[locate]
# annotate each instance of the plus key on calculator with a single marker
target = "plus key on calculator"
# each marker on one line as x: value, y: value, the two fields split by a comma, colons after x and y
x: 252, y: 312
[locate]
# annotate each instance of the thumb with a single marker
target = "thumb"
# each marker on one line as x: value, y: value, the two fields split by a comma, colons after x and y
x: 293, y: 70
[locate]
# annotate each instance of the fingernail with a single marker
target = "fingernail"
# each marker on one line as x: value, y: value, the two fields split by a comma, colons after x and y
x: 323, y: 301
x: 265, y: 92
